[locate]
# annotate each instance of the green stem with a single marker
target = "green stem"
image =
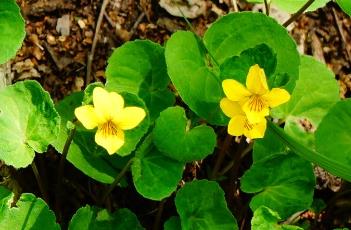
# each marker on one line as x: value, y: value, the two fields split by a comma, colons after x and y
x: 329, y: 164
x: 298, y: 13
x: 159, y: 215
x: 40, y: 182
x: 117, y: 179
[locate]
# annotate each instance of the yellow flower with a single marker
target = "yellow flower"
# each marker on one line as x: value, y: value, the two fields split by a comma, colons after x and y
x: 256, y: 99
x: 239, y: 124
x: 110, y: 117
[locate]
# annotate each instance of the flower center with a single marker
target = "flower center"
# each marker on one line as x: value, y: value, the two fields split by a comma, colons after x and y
x: 247, y: 125
x: 256, y: 103
x: 108, y: 129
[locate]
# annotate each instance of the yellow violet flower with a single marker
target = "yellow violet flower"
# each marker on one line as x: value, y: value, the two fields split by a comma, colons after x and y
x: 239, y: 124
x: 110, y: 117
x: 256, y: 99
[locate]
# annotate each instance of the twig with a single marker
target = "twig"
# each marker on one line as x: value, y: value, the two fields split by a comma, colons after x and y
x: 159, y: 215
x: 235, y: 5
x: 137, y: 22
x: 266, y: 5
x: 339, y: 27
x: 117, y: 180
x: 40, y: 183
x: 96, y: 37
x: 298, y: 13
x: 221, y: 155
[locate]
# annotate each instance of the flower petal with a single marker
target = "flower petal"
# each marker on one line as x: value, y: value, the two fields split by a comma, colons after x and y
x: 277, y: 97
x: 109, y: 141
x: 107, y: 104
x: 86, y: 115
x: 236, y: 126
x: 234, y: 90
x: 255, y: 114
x: 129, y: 117
x: 258, y: 130
x: 231, y: 108
x: 256, y: 81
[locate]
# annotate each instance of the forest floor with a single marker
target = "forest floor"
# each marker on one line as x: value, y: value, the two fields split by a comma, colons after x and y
x: 60, y: 36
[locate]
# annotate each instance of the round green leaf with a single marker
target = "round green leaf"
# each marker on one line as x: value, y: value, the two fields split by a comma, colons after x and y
x: 139, y: 67
x: 155, y: 176
x: 309, y: 101
x: 333, y: 136
x: 345, y: 6
x: 266, y: 219
x: 84, y: 153
x: 93, y: 218
x: 30, y: 213
x: 236, y: 32
x: 174, y: 139
x: 28, y: 122
x: 201, y: 205
x: 283, y: 182
x: 12, y: 29
x: 173, y: 223
x: 192, y: 74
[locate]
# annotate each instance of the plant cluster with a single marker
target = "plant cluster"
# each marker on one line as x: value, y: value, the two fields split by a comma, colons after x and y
x: 245, y: 75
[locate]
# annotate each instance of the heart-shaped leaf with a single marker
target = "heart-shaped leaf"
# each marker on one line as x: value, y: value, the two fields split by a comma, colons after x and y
x: 283, y: 182
x: 266, y: 219
x: 12, y: 31
x: 236, y: 32
x: 201, y: 205
x: 93, y: 218
x: 29, y: 213
x: 309, y: 101
x: 194, y: 76
x: 139, y: 67
x: 150, y: 168
x: 28, y: 122
x: 84, y: 153
x: 173, y: 137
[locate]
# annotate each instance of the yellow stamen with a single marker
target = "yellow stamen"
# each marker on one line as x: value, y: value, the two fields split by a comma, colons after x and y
x: 256, y: 103
x: 108, y: 129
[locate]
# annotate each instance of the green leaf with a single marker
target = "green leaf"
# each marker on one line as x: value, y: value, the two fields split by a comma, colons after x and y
x: 28, y: 122
x: 201, y: 205
x: 333, y: 135
x: 236, y: 32
x: 84, y: 153
x: 336, y: 167
x: 267, y: 146
x: 345, y: 5
x: 292, y: 6
x: 193, y: 75
x: 139, y: 67
x: 30, y: 213
x: 282, y: 182
x: 309, y: 101
x: 93, y: 218
x: 12, y: 29
x: 155, y: 176
x: 173, y: 137
x: 266, y: 219
x: 173, y: 223
x: 237, y: 67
